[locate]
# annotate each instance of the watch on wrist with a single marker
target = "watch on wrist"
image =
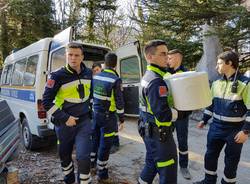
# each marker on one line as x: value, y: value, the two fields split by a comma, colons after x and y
x: 246, y: 132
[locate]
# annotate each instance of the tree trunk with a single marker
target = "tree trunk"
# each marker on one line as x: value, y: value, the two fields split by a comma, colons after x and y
x: 91, y: 20
x: 211, y: 49
x: 4, y: 35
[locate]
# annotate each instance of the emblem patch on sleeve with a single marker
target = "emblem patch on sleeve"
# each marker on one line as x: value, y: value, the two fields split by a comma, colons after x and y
x: 50, y: 83
x: 162, y: 91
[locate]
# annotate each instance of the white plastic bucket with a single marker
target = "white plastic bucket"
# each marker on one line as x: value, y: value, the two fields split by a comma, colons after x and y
x: 190, y: 90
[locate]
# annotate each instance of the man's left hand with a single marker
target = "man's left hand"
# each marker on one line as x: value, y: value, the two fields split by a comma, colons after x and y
x: 121, y: 126
x: 241, y: 137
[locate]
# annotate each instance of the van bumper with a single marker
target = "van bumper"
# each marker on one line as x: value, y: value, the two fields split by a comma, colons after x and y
x: 44, y: 131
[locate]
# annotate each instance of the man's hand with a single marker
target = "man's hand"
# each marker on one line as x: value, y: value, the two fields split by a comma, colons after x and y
x: 71, y: 121
x: 200, y: 125
x: 240, y: 137
x: 121, y: 126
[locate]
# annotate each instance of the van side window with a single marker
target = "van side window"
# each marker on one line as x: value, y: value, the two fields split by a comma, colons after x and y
x: 30, y: 73
x: 19, y: 68
x: 130, y: 70
x: 6, y: 74
x: 58, y: 59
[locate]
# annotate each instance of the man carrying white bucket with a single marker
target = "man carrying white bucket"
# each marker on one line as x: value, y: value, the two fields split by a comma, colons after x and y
x: 181, y: 124
x: 156, y: 118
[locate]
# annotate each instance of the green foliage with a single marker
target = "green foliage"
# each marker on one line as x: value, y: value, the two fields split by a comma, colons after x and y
x: 24, y: 22
x: 74, y: 17
x: 192, y: 51
x: 30, y: 20
x: 93, y: 8
x: 179, y: 22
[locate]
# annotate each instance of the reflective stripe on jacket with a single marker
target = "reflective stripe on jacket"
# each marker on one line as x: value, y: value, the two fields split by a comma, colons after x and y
x: 107, y: 93
x: 230, y: 108
x: 61, y: 97
x: 153, y: 98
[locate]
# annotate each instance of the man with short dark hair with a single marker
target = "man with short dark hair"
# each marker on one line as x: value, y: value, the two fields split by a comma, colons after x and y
x: 107, y: 104
x: 230, y: 113
x: 66, y: 99
x: 96, y: 68
x: 181, y: 124
x: 156, y: 118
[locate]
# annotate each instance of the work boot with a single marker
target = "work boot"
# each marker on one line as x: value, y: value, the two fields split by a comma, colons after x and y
x: 105, y: 181
x: 114, y: 149
x: 199, y: 182
x: 185, y: 173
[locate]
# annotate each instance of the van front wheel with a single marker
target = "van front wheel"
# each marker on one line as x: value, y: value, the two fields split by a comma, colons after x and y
x: 28, y: 139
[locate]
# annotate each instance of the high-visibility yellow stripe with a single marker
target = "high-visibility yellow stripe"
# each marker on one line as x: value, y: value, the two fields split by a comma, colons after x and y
x: 68, y: 69
x: 158, y: 123
x: 166, y: 163
x: 167, y: 75
x: 149, y: 107
x: 71, y: 92
x: 112, y: 106
x: 109, y: 71
x: 110, y: 134
x: 155, y: 69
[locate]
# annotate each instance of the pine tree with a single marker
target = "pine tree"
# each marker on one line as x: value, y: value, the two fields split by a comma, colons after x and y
x: 180, y: 21
x: 93, y: 7
x: 24, y: 22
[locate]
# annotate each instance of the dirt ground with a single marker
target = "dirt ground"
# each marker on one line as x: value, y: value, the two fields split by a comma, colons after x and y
x: 43, y: 166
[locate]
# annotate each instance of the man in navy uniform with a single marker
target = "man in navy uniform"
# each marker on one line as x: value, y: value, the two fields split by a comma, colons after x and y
x: 96, y: 68
x: 66, y: 99
x: 230, y: 113
x: 156, y: 118
x: 181, y: 124
x: 107, y: 105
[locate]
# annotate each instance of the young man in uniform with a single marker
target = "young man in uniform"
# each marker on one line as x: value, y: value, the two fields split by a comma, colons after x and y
x: 107, y: 105
x: 96, y: 68
x: 181, y: 124
x: 230, y: 113
x: 66, y: 99
x: 156, y: 118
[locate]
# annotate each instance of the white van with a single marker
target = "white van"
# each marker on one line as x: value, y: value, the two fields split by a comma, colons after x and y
x: 25, y: 73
